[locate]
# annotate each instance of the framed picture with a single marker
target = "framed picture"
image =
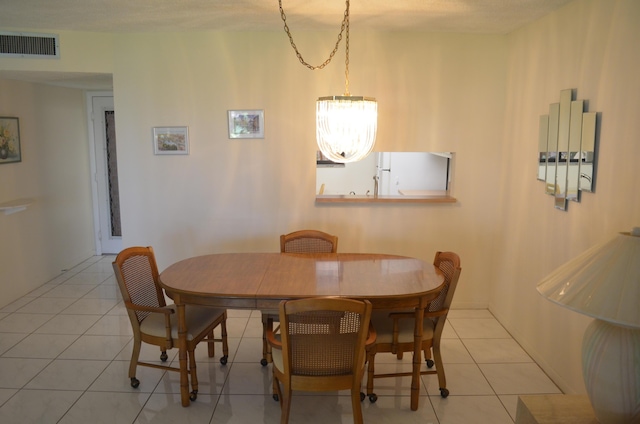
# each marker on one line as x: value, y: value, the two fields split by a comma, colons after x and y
x: 9, y: 140
x: 171, y: 140
x: 246, y: 124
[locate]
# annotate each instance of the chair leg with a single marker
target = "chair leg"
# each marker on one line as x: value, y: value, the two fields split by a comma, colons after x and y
x: 135, y: 356
x: 442, y: 381
x: 371, y: 358
x: 285, y: 403
x: 277, y: 392
x: 427, y: 356
x: 266, y: 354
x: 211, y: 341
x: 356, y: 405
x: 277, y: 395
x: 211, y: 346
x: 225, y: 343
x: 193, y: 374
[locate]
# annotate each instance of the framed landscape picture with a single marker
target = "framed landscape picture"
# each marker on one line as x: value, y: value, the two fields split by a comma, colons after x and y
x: 246, y: 124
x: 10, y: 150
x: 171, y: 140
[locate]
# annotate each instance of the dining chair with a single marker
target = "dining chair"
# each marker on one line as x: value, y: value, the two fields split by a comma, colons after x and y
x: 395, y: 329
x: 154, y: 322
x: 302, y: 241
x: 308, y: 241
x: 321, y: 347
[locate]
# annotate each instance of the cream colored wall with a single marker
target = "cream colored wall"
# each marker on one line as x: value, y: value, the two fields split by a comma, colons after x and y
x: 55, y: 232
x: 592, y: 46
x: 435, y: 93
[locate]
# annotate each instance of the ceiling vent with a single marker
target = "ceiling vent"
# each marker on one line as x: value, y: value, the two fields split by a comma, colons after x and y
x: 24, y: 44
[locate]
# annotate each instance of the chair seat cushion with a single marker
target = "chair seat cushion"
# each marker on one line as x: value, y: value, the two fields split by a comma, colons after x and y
x: 383, y: 325
x: 278, y: 362
x: 198, y: 318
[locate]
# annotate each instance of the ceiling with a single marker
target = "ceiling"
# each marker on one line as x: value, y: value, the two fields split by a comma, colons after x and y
x: 474, y: 16
x: 120, y: 16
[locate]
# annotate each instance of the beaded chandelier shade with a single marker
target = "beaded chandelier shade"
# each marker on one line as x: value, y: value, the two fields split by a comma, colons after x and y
x: 346, y: 125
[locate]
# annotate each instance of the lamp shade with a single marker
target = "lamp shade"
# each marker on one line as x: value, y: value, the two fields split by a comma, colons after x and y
x: 346, y: 127
x: 603, y: 282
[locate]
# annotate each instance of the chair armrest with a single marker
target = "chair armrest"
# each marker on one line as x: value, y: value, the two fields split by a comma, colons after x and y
x: 371, y: 338
x: 427, y: 314
x: 165, y: 310
x: 398, y: 315
x: 161, y: 310
x: 435, y: 314
x: 272, y: 340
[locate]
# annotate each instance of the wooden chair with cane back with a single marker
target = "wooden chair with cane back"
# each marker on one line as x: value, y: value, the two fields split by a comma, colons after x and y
x: 302, y: 241
x: 321, y: 347
x: 154, y: 322
x: 395, y: 329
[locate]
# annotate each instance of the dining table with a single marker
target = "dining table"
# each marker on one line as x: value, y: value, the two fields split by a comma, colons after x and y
x: 262, y: 280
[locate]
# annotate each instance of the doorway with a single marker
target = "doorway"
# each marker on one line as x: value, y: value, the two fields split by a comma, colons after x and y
x: 104, y: 168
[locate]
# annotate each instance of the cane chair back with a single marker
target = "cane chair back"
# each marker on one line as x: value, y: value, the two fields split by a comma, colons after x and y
x: 140, y: 273
x: 302, y: 241
x: 308, y: 241
x: 321, y: 348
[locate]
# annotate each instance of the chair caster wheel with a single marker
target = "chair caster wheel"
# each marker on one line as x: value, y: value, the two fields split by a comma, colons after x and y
x: 193, y: 395
x: 362, y: 396
x: 135, y: 382
x: 430, y: 363
x: 263, y: 362
x: 276, y: 398
x: 444, y: 393
x: 224, y: 360
x: 164, y: 356
x: 373, y: 398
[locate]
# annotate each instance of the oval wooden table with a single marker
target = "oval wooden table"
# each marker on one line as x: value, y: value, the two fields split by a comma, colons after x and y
x: 262, y: 280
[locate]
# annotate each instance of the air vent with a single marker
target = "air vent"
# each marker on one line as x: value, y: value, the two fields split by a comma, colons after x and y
x: 23, y: 44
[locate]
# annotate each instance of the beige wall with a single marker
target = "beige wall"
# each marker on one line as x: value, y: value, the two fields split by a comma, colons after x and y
x: 591, y: 46
x: 477, y: 95
x: 435, y: 93
x: 55, y: 232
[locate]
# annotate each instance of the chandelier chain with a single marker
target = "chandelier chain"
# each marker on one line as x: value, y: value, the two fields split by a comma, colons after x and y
x: 343, y: 27
x: 346, y: 60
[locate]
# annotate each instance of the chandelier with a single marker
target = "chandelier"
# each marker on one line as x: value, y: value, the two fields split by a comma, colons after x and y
x: 346, y: 125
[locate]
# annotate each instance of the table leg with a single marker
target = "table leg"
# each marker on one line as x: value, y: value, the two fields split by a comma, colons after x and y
x: 182, y: 355
x: 417, y: 358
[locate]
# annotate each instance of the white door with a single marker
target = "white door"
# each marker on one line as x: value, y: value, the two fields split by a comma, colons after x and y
x: 105, y: 188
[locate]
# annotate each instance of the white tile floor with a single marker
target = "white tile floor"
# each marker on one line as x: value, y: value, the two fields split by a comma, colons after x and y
x: 65, y: 350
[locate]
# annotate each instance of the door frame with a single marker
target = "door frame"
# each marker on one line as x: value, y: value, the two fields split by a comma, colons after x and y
x: 93, y: 167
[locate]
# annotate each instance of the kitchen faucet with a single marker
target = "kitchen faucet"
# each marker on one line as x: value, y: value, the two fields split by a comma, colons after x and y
x: 375, y: 186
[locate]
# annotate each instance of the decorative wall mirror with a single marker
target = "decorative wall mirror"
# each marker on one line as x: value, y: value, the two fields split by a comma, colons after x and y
x: 567, y: 149
x: 386, y: 176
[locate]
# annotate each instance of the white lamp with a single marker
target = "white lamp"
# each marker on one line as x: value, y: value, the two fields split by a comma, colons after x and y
x: 604, y: 283
x: 346, y: 125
